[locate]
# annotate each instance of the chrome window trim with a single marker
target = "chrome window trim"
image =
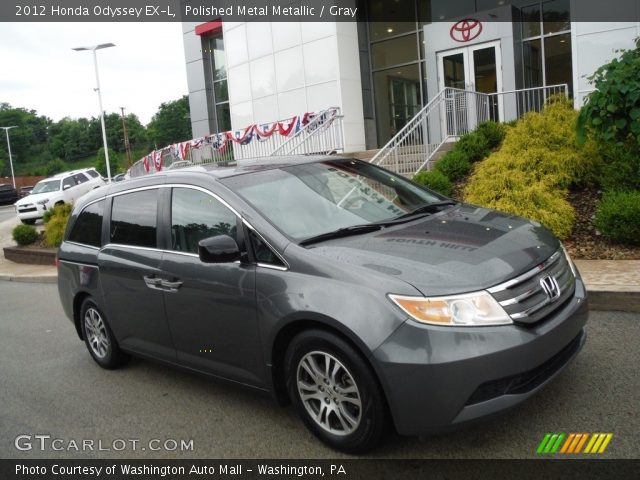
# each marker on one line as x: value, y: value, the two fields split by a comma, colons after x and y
x: 208, y: 192
x: 83, y: 245
x: 269, y: 265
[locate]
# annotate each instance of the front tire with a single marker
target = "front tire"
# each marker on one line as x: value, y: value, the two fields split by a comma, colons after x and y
x: 335, y: 392
x: 99, y: 338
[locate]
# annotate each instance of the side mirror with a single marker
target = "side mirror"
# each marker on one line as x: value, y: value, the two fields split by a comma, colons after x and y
x: 218, y: 249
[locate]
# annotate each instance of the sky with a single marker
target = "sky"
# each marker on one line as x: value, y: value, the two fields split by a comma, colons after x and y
x: 40, y: 71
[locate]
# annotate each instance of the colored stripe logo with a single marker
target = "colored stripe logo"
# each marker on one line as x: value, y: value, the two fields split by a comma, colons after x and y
x: 574, y: 443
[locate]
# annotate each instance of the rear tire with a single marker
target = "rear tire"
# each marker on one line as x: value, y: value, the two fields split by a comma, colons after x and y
x: 99, y: 338
x: 335, y: 392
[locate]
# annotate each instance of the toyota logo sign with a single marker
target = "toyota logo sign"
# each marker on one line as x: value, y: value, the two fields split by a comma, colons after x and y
x: 466, y: 30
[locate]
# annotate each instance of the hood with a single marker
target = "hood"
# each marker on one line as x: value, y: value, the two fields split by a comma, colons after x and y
x: 462, y: 249
x: 35, y: 197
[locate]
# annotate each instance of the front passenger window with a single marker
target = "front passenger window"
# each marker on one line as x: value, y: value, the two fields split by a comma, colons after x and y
x: 68, y: 183
x: 196, y: 215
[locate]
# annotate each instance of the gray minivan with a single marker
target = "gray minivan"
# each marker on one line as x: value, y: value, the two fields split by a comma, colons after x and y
x: 367, y: 301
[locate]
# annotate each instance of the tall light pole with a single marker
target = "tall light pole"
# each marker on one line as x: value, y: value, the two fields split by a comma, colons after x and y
x: 6, y: 130
x: 104, y: 131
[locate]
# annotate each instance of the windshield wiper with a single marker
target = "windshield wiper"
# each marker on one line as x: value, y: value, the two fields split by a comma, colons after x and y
x: 429, y: 208
x: 343, y: 232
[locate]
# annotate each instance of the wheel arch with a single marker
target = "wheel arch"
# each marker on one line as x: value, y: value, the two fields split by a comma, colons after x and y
x: 77, y: 305
x: 288, y: 331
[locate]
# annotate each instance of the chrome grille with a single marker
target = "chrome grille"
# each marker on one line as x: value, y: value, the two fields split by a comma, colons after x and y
x: 525, y: 299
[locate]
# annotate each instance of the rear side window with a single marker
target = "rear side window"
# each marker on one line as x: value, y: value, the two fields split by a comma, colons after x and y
x: 196, y: 215
x: 88, y: 227
x: 133, y: 219
x: 92, y: 173
x: 80, y: 178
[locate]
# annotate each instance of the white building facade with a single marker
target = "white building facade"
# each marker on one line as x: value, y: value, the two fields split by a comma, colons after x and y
x: 382, y: 73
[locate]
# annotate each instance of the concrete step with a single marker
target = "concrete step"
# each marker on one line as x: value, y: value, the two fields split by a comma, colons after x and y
x: 364, y: 155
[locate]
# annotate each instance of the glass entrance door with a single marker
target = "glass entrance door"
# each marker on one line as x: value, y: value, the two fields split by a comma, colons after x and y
x: 470, y: 69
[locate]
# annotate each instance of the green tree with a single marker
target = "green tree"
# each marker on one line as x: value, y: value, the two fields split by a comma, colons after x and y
x: 612, y: 111
x: 171, y: 123
x: 115, y: 162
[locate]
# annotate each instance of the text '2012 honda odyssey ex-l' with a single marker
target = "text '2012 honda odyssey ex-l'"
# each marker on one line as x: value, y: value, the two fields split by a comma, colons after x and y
x: 362, y: 298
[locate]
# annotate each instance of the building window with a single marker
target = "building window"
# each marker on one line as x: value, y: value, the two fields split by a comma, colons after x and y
x: 546, y: 44
x: 396, y: 48
x: 216, y: 81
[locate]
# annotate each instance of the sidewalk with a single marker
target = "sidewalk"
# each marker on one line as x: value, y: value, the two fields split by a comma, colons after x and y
x: 612, y: 284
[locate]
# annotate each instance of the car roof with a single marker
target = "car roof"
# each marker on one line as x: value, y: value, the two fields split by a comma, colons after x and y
x: 249, y: 165
x: 216, y: 171
x: 70, y: 172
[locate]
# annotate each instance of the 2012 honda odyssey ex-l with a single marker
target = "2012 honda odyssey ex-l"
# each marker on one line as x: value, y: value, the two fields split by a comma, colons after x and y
x: 362, y: 298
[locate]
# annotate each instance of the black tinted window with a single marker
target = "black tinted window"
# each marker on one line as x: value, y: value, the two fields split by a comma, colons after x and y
x: 262, y: 252
x: 88, y: 227
x: 196, y: 215
x: 80, y: 178
x: 68, y: 182
x: 133, y: 219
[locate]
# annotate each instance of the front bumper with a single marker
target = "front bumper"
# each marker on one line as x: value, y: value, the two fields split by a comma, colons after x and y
x: 30, y: 211
x: 436, y: 378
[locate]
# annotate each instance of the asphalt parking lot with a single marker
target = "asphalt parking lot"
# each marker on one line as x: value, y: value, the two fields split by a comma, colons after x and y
x: 50, y: 386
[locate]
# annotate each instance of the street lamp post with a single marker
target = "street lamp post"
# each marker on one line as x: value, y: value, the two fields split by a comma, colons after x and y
x: 97, y: 89
x: 6, y: 130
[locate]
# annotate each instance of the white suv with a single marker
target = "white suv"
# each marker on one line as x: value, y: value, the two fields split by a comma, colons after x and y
x: 64, y: 187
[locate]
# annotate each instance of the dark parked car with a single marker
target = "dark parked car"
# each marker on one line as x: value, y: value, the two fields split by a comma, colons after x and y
x: 24, y: 191
x: 8, y: 194
x: 362, y: 298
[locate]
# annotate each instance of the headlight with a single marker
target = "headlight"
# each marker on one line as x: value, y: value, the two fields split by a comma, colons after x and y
x: 42, y: 202
x: 573, y: 268
x: 470, y: 309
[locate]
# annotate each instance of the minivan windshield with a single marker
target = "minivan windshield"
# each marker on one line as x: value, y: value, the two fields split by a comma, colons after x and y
x: 46, y: 186
x: 313, y: 199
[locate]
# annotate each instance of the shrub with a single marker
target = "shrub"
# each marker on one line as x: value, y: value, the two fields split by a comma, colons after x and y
x: 55, y: 166
x: 538, y: 161
x: 435, y: 181
x: 25, y: 234
x: 618, y: 216
x: 473, y: 145
x: 612, y: 110
x: 56, y: 224
x: 620, y: 168
x: 454, y: 165
x: 493, y: 132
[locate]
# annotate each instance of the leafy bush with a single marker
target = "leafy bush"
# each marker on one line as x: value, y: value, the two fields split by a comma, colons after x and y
x: 454, y: 165
x: 538, y: 161
x: 436, y: 181
x: 25, y: 234
x: 618, y: 216
x: 620, y: 168
x: 612, y: 110
x: 56, y: 224
x: 55, y: 166
x: 493, y: 132
x: 474, y: 146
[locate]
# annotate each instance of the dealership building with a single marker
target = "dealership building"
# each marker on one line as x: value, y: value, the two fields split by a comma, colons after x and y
x: 381, y: 73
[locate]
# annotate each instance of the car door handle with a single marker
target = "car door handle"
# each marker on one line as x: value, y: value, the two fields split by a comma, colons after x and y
x: 171, y: 286
x: 153, y: 282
